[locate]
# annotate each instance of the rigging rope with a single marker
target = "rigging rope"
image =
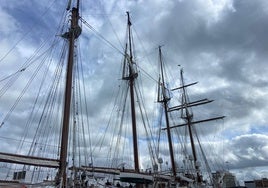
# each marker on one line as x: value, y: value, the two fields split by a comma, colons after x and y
x: 82, y: 78
x: 121, y: 122
x: 103, y: 9
x: 144, y: 120
x: 21, y: 95
x: 35, y: 103
x: 101, y: 36
x: 204, y: 156
x: 26, y: 64
x: 29, y: 31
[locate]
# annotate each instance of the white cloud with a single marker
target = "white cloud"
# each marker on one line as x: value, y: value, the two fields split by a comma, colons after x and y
x: 9, y: 24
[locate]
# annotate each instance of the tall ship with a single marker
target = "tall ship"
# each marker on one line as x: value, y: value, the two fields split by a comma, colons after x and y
x: 62, y: 146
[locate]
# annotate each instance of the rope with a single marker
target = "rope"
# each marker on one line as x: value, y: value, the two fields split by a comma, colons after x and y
x: 81, y: 76
x: 29, y: 31
x: 101, y: 36
x: 144, y: 120
x: 103, y: 9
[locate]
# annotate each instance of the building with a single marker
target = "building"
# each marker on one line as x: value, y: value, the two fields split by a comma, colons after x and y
x: 224, y: 179
x: 250, y: 184
x: 257, y: 183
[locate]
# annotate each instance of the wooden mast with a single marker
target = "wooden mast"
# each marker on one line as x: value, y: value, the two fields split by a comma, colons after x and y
x: 165, y: 99
x: 132, y: 76
x: 71, y: 36
x: 188, y: 118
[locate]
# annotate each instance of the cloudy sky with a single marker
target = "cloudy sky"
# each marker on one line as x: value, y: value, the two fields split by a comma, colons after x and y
x: 222, y: 44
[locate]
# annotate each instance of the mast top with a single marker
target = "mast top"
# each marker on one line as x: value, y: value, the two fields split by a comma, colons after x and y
x: 74, y: 30
x: 128, y: 19
x: 69, y: 5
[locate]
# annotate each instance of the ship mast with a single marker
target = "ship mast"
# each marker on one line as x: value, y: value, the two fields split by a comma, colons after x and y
x: 130, y: 74
x: 164, y: 99
x: 187, y: 116
x: 71, y: 36
x: 188, y: 119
